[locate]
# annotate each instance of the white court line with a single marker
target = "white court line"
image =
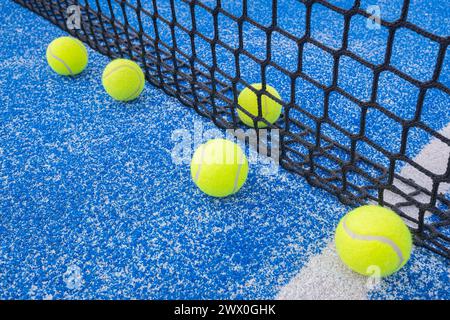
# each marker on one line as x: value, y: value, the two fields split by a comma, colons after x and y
x: 325, y: 276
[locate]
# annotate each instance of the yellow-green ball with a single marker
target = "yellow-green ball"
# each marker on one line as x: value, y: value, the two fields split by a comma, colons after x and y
x: 67, y: 56
x: 373, y: 240
x: 219, y: 168
x: 123, y: 80
x: 270, y: 109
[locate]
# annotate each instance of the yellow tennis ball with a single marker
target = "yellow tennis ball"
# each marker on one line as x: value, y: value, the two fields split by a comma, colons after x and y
x: 123, y: 79
x: 67, y: 56
x: 373, y: 240
x: 270, y: 109
x: 219, y: 167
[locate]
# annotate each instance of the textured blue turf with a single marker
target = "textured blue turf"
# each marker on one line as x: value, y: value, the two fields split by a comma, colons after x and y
x: 92, y: 205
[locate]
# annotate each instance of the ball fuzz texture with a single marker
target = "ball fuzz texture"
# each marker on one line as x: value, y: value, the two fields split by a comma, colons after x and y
x: 270, y: 109
x: 123, y: 79
x: 219, y: 168
x: 373, y: 240
x: 67, y: 56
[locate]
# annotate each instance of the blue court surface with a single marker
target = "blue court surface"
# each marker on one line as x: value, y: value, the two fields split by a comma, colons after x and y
x: 92, y: 205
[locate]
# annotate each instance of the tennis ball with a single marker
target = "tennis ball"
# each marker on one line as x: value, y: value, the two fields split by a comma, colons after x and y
x: 219, y: 167
x: 67, y: 56
x: 270, y: 109
x: 123, y: 79
x: 373, y: 239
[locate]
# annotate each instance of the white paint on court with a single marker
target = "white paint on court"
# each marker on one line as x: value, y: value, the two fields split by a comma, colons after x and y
x: 325, y: 277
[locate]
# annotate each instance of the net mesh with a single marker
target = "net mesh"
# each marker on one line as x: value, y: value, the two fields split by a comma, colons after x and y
x: 205, y: 52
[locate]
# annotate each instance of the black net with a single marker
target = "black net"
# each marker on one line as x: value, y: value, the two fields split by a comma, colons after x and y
x: 205, y: 52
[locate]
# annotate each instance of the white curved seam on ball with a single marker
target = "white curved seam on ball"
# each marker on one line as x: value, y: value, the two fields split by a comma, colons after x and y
x: 384, y: 240
x: 81, y: 45
x: 129, y: 67
x: 139, y: 86
x: 238, y: 173
x: 61, y: 60
x: 197, y: 174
